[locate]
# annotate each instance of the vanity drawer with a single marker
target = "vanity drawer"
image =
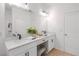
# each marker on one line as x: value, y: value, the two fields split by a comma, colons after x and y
x: 21, y: 49
x: 40, y: 41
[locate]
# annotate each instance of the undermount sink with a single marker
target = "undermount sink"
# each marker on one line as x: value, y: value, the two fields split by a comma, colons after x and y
x: 27, y: 39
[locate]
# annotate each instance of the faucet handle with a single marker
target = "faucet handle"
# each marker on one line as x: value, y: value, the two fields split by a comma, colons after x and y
x: 14, y: 35
x: 19, y: 36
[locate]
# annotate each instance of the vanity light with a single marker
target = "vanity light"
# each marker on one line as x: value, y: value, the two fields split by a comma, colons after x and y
x: 21, y: 5
x: 16, y: 4
x: 43, y: 13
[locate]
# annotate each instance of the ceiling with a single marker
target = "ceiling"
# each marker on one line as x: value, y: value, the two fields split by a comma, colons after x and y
x: 66, y: 7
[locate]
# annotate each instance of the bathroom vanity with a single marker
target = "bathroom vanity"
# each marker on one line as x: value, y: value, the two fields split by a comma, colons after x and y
x: 28, y: 46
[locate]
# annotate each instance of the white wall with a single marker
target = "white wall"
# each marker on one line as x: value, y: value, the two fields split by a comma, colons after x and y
x: 56, y: 24
x: 37, y: 19
x: 8, y: 17
x: 62, y: 10
x: 21, y: 20
x: 55, y: 20
x: 2, y: 30
x: 2, y: 21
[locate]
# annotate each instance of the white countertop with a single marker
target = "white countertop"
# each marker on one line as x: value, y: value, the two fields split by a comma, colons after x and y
x: 12, y: 43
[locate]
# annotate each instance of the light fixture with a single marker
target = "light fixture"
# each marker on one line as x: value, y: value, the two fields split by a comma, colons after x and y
x: 43, y: 13
x: 21, y: 5
x: 16, y: 4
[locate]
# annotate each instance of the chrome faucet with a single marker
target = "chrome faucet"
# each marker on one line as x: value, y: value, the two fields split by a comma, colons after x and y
x: 44, y: 32
x: 17, y: 35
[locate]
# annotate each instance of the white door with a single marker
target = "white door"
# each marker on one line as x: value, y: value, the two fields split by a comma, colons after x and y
x: 72, y: 32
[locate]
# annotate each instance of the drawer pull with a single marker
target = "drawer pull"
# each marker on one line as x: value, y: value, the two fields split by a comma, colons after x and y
x: 52, y: 40
x: 27, y: 54
x: 43, y: 40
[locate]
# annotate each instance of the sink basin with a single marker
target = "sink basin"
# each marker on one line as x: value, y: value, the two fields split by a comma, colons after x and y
x: 29, y: 38
x: 25, y: 40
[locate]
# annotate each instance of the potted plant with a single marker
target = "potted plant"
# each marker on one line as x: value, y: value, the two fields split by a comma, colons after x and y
x: 32, y: 31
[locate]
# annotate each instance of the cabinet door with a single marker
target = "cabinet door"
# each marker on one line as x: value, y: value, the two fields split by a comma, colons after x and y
x: 33, y: 51
x: 50, y: 44
x: 29, y: 52
x: 23, y: 54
